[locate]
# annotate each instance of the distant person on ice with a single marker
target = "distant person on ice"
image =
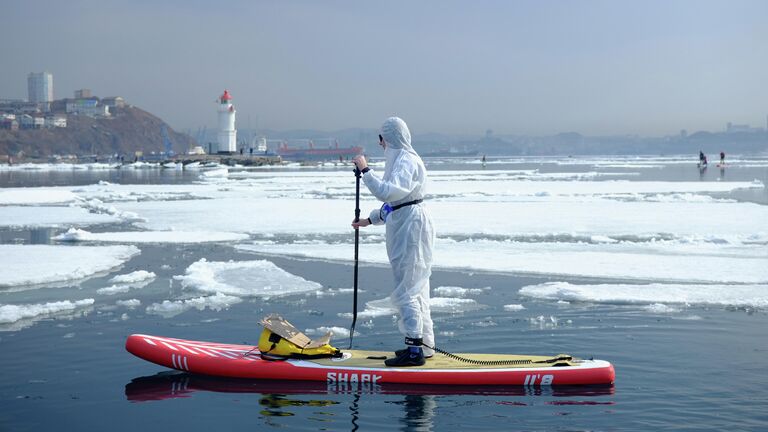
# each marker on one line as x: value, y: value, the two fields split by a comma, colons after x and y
x: 722, y: 158
x: 410, y: 236
x: 702, y: 158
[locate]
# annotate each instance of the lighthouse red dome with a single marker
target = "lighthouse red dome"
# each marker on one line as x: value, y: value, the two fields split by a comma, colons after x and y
x: 226, y: 96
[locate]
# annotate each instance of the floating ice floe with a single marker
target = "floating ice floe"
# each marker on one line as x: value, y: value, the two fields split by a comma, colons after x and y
x: 133, y: 277
x: 453, y: 291
x: 217, y: 172
x: 755, y: 296
x: 132, y: 303
x: 97, y: 206
x: 514, y: 307
x: 77, y: 235
x: 50, y: 216
x: 661, y: 308
x: 169, y: 308
x: 43, y: 264
x: 680, y: 260
x: 244, y: 278
x: 543, y: 322
x: 124, y: 283
x: 11, y: 314
x: 37, y: 196
x: 384, y: 307
x: 337, y: 332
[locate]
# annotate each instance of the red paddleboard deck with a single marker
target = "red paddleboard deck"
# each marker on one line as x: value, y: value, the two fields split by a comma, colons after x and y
x: 355, y: 366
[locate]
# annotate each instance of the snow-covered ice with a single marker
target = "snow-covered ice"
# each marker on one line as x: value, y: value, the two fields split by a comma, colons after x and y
x: 244, y: 278
x: 624, y: 260
x: 51, y: 216
x: 336, y: 332
x: 684, y: 242
x: 133, y: 277
x: 124, y: 283
x: 171, y: 308
x: 39, y: 196
x: 131, y: 303
x: 454, y: 291
x: 650, y: 294
x: 79, y: 235
x: 11, y: 314
x: 43, y: 264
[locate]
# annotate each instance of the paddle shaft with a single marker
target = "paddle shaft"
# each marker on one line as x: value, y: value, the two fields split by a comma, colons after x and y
x: 357, y: 245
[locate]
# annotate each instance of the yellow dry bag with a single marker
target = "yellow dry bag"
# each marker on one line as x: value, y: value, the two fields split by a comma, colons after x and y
x: 281, y: 340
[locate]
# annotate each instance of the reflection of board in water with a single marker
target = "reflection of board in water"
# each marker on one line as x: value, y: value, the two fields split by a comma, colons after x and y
x: 172, y: 384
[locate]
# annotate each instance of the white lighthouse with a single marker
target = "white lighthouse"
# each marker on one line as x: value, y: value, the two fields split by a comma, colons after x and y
x: 227, y: 131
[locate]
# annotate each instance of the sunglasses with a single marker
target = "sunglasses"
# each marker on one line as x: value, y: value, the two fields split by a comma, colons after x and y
x: 381, y: 139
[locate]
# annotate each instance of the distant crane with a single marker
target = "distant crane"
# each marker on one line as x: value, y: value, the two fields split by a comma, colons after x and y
x: 167, y: 144
x: 200, y: 135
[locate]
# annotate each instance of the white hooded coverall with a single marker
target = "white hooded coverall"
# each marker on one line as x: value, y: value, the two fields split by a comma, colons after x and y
x: 410, y: 234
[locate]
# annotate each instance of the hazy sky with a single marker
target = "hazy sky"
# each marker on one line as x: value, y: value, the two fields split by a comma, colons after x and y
x: 517, y: 67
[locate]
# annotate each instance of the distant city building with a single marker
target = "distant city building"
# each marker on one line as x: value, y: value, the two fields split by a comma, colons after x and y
x: 31, y: 122
x: 737, y: 128
x: 89, y: 107
x: 40, y: 89
x: 7, y: 123
x: 113, y: 102
x: 227, y: 133
x: 56, y: 120
x: 83, y: 93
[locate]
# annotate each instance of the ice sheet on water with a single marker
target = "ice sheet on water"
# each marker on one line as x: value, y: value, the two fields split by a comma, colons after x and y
x: 12, y: 314
x: 79, y: 235
x: 130, y: 304
x: 544, y: 322
x: 259, y: 278
x: 123, y: 287
x: 99, y: 207
x: 661, y: 308
x: 652, y: 261
x: 43, y: 264
x: 50, y: 216
x: 124, y: 283
x: 384, y: 307
x: 171, y: 308
x: 514, y: 307
x: 651, y: 294
x: 338, y: 332
x: 452, y: 305
x: 133, y: 277
x: 454, y: 291
x: 39, y: 196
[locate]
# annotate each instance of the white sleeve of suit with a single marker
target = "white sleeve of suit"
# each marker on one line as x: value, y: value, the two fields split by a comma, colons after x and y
x: 399, y: 186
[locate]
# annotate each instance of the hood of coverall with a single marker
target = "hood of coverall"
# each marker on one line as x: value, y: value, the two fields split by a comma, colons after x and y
x: 398, y: 138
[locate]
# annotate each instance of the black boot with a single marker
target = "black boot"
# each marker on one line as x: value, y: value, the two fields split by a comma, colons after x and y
x: 412, y: 355
x: 407, y: 358
x: 400, y: 352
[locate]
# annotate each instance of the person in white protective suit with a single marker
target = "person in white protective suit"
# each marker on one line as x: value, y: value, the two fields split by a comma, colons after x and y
x: 410, y: 236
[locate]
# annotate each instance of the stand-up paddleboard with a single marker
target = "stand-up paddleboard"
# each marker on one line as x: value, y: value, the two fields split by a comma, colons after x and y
x: 355, y: 366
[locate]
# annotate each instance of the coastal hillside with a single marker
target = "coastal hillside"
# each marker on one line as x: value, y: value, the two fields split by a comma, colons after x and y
x: 127, y: 131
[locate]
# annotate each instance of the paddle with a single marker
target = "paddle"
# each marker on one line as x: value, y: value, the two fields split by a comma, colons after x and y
x: 357, y: 244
